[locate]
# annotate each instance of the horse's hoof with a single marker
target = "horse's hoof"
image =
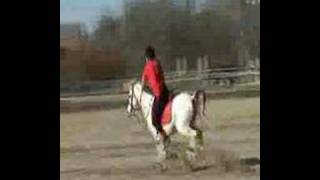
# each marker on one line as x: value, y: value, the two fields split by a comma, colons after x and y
x: 187, y: 166
x: 172, y: 156
x: 156, y: 165
x: 162, y: 167
x: 200, y: 148
x: 191, y: 156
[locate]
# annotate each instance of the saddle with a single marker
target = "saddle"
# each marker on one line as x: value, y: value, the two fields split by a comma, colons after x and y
x: 167, y: 111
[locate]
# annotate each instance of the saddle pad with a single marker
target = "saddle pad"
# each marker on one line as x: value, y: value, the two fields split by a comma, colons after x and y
x: 166, y: 116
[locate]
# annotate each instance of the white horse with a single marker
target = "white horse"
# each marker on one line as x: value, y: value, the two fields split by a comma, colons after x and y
x: 185, y: 110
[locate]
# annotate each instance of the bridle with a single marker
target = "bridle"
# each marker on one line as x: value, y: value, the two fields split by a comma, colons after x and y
x: 139, y: 108
x: 134, y: 109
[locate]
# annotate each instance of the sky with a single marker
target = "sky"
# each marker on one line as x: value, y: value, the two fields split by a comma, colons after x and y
x: 87, y: 11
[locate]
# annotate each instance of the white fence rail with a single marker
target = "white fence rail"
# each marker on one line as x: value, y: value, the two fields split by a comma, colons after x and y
x: 210, y: 77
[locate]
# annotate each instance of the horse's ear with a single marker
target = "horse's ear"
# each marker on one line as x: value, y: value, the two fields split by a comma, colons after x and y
x: 132, y: 81
x: 135, y: 81
x: 126, y: 86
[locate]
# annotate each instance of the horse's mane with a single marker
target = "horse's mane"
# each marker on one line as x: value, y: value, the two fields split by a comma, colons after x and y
x: 146, y: 89
x: 134, y: 82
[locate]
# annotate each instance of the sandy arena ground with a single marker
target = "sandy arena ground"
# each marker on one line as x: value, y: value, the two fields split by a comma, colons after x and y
x: 106, y: 144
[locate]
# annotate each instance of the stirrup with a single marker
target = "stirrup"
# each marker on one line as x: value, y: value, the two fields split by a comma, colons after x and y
x: 161, y: 136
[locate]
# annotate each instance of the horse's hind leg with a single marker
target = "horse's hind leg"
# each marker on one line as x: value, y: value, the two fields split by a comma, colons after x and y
x: 195, y: 137
x: 199, y: 139
x: 192, y: 135
x: 200, y: 146
x: 161, y: 151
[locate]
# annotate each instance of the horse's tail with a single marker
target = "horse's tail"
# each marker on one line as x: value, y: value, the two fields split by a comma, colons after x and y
x: 199, y: 98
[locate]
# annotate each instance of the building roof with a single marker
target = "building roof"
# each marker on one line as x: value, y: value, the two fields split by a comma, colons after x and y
x: 74, y: 44
x: 70, y: 30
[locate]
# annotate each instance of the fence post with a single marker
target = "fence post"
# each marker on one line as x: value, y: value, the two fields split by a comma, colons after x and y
x: 206, y: 62
x: 184, y: 65
x: 257, y: 63
x: 199, y: 64
x: 178, y: 65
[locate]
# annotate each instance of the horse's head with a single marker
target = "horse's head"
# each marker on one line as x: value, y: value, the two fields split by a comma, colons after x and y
x: 133, y: 98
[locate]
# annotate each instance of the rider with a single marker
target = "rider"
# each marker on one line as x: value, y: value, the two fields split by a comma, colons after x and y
x: 154, y: 78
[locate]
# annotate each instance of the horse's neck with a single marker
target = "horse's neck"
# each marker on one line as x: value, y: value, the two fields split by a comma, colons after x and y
x: 145, y: 101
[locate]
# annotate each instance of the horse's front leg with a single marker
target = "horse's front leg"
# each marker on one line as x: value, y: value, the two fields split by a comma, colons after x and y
x: 162, y: 155
x: 160, y: 145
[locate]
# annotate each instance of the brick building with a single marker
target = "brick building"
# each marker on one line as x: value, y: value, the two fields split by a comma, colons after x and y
x: 79, y: 61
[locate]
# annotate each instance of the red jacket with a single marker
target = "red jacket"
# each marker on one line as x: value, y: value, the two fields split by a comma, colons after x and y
x: 152, y: 73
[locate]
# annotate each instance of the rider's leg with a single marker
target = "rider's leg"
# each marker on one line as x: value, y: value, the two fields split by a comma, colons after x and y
x: 155, y: 113
x: 165, y: 95
x: 156, y: 127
